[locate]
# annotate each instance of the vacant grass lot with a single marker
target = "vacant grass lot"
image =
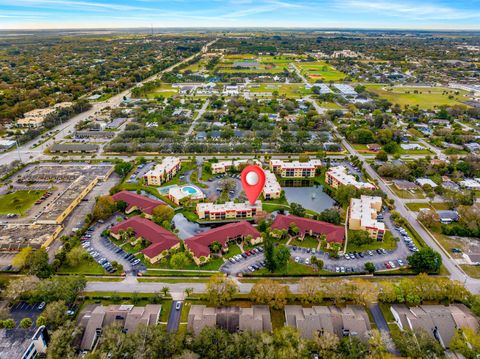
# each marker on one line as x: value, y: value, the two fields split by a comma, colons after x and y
x: 19, y: 202
x: 165, y: 90
x: 320, y: 70
x: 287, y: 90
x: 415, y: 206
x: 407, y: 194
x: 425, y: 97
x: 472, y: 271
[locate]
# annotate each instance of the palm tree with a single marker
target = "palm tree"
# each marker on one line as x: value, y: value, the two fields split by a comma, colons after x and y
x: 165, y: 291
x: 188, y: 291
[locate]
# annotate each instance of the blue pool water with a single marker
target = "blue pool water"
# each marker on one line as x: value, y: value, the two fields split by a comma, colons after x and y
x: 190, y: 190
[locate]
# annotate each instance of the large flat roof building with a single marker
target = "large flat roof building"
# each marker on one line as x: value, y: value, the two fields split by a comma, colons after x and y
x: 363, y: 216
x: 339, y: 176
x: 228, y: 210
x: 163, y: 172
x: 295, y: 169
x: 272, y: 188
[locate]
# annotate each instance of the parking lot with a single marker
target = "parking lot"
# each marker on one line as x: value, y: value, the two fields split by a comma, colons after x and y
x: 26, y: 310
x: 109, y: 251
x: 349, y: 263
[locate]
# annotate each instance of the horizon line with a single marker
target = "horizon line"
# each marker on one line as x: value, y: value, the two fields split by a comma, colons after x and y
x: 297, y: 28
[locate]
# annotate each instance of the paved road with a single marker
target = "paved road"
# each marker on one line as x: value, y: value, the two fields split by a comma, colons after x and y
x: 174, y: 317
x: 198, y: 116
x: 456, y: 273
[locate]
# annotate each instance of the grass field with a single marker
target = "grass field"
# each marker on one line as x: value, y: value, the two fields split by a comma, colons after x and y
x: 165, y: 90
x: 86, y: 267
x: 407, y: 194
x: 425, y: 98
x: 388, y: 243
x: 288, y: 90
x: 320, y: 70
x: 264, y: 64
x: 19, y: 202
x: 308, y: 242
x: 416, y: 206
x: 472, y: 271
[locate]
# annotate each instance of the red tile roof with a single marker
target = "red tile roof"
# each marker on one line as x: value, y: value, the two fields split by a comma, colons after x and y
x: 199, y: 244
x: 144, y: 204
x: 333, y: 232
x: 160, y: 238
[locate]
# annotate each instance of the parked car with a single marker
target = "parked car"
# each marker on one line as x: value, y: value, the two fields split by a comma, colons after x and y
x: 41, y: 306
x: 178, y: 305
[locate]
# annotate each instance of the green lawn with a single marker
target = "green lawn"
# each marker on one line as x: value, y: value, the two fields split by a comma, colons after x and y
x: 388, y: 243
x: 308, y: 242
x: 472, y: 271
x: 425, y: 98
x: 407, y: 194
x: 416, y: 206
x: 320, y: 70
x: 288, y: 90
x: 86, y: 267
x: 19, y: 202
x: 233, y: 250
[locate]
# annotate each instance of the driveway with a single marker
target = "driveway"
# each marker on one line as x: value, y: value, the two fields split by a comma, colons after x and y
x: 174, y: 317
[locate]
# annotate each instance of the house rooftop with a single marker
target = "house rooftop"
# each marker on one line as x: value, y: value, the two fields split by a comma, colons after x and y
x: 144, y: 204
x: 200, y: 243
x: 160, y: 238
x: 333, y: 232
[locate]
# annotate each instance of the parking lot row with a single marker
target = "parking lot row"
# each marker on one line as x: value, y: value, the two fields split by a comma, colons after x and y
x: 349, y: 263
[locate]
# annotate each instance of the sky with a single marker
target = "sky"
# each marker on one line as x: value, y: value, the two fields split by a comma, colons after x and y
x: 370, y: 14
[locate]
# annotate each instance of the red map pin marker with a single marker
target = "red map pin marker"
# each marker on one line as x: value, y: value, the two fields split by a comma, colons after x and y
x: 253, y: 181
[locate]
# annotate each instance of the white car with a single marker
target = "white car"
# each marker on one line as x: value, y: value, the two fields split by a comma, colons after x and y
x: 307, y: 261
x: 392, y: 264
x: 337, y: 269
x: 297, y: 259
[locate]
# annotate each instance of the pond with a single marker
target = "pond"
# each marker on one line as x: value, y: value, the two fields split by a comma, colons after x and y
x: 312, y: 198
x: 187, y: 229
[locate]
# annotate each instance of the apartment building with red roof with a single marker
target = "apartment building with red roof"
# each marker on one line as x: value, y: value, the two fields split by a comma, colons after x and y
x: 161, y: 240
x: 307, y: 226
x: 137, y: 202
x: 199, y: 245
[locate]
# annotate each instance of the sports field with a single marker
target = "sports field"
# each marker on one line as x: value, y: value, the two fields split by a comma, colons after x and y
x: 320, y: 70
x: 254, y: 64
x: 424, y: 97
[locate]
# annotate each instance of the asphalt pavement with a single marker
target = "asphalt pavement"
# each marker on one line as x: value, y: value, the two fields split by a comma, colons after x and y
x: 174, y: 317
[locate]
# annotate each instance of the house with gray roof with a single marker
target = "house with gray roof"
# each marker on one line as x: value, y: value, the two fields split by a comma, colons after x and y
x: 346, y: 321
x: 94, y: 318
x: 439, y: 321
x: 233, y: 319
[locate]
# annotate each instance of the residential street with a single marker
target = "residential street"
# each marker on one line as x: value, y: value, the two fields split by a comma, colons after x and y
x: 456, y: 273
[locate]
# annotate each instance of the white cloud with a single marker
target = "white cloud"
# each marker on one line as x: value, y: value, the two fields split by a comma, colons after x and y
x: 416, y: 11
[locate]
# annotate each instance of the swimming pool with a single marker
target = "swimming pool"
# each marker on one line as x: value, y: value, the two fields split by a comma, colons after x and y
x: 189, y: 190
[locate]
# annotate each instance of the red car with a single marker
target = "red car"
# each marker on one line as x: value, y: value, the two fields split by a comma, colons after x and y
x: 387, y: 265
x: 248, y: 253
